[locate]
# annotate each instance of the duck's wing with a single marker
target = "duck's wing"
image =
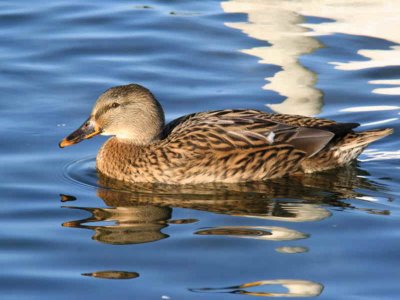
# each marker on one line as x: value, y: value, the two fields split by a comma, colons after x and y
x: 227, y: 130
x: 339, y: 129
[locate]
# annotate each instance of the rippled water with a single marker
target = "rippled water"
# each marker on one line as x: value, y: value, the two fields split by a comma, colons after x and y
x: 332, y: 235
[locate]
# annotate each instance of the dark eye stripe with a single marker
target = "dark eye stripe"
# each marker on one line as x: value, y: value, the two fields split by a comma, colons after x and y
x: 101, y: 111
x: 104, y: 109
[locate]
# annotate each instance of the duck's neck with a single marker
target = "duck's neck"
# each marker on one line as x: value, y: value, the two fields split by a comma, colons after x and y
x: 135, y: 141
x: 115, y: 156
x: 122, y: 147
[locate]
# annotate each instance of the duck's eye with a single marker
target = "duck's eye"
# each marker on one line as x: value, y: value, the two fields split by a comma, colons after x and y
x: 115, y: 105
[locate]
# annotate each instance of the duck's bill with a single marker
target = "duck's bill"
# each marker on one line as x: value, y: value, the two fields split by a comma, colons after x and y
x: 88, y: 130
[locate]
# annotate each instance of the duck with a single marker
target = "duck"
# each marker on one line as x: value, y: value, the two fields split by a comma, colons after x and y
x: 226, y: 146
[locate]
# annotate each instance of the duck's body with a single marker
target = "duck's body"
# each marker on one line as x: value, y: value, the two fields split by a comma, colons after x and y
x: 234, y: 146
x: 220, y: 146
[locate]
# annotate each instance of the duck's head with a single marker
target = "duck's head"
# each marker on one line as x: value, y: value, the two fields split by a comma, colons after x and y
x: 129, y: 112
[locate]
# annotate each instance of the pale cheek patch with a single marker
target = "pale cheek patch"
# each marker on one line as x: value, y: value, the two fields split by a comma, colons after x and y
x: 270, y: 137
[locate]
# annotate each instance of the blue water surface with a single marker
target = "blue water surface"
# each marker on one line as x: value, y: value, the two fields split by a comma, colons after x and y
x: 332, y: 236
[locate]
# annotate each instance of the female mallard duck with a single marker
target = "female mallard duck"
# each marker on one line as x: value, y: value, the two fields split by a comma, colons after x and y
x: 215, y: 146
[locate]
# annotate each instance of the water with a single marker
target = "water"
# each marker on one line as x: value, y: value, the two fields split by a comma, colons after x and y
x: 332, y: 235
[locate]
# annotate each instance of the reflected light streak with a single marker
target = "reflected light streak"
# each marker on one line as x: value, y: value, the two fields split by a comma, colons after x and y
x: 281, y: 28
x: 295, y: 288
x: 280, y: 23
x: 369, y: 108
x: 380, y: 122
x: 387, y: 90
x: 373, y: 154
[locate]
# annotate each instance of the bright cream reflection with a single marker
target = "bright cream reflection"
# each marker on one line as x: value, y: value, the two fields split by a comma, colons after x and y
x: 281, y: 24
x: 295, y: 288
x: 281, y: 27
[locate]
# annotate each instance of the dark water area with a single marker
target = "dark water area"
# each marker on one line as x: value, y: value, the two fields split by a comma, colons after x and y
x: 333, y: 235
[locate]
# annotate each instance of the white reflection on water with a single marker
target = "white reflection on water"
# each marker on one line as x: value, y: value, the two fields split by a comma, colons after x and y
x: 294, y: 288
x: 369, y: 108
x: 389, y: 90
x: 280, y: 23
x: 372, y: 18
x: 374, y: 154
x: 292, y: 249
x: 369, y: 198
x: 372, y: 109
x: 299, y: 212
x: 281, y: 27
x: 380, y: 122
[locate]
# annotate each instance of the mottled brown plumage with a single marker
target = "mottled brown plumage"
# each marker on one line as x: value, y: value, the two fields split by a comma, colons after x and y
x: 214, y: 146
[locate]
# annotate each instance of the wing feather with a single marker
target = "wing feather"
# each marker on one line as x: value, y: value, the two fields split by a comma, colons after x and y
x: 229, y: 130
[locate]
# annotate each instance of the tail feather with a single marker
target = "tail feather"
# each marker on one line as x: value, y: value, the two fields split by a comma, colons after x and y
x: 344, y: 151
x: 364, y: 138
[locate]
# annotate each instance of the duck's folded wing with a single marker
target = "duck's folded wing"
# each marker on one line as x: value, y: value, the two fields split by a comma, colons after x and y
x: 229, y: 130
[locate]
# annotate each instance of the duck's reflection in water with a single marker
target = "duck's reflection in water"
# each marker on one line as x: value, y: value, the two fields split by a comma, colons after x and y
x: 134, y: 224
x: 267, y: 233
x: 139, y: 212
x: 112, y: 274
